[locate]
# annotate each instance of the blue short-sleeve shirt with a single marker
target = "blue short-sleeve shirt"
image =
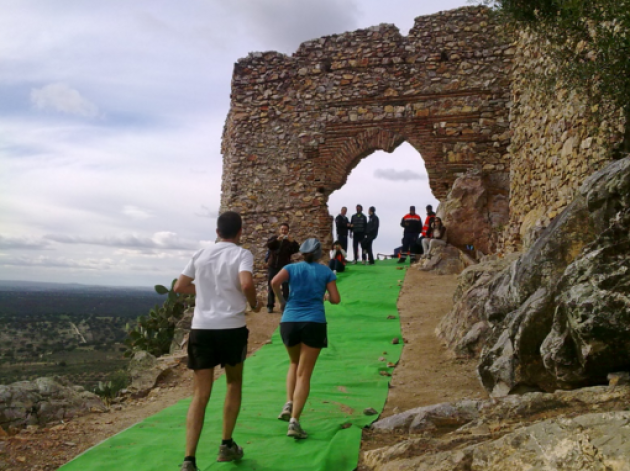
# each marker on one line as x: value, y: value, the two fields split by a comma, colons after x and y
x: 307, y: 286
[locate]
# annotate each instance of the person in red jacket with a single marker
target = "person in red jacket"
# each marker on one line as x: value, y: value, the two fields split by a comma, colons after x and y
x: 426, y: 229
x: 412, y: 225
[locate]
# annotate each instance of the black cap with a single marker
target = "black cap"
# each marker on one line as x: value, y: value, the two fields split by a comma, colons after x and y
x: 412, y: 208
x: 373, y: 209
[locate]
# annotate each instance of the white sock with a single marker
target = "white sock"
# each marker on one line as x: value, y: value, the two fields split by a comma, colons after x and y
x: 293, y: 420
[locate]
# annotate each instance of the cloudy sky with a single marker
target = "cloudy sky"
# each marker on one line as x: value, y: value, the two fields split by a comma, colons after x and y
x: 111, y: 116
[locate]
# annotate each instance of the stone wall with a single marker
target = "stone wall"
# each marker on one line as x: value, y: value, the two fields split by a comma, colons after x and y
x: 299, y: 124
x: 558, y: 139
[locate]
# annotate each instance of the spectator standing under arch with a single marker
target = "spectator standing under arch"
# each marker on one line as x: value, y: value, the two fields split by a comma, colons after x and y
x: 341, y: 226
x: 371, y: 233
x: 358, y: 226
x: 412, y: 227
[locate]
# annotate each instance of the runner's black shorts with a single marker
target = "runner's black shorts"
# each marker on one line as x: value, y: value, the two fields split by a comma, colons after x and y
x: 209, y: 348
x: 312, y: 334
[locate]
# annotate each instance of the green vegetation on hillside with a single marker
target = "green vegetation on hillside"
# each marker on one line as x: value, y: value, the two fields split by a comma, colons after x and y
x: 73, y: 332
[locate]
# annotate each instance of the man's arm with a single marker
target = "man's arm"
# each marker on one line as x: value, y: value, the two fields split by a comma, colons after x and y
x: 184, y: 285
x: 249, y: 289
x: 273, y: 243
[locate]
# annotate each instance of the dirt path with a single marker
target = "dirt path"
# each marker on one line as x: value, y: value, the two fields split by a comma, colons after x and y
x: 426, y: 374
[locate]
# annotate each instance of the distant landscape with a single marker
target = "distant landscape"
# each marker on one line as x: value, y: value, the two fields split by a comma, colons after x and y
x: 70, y: 330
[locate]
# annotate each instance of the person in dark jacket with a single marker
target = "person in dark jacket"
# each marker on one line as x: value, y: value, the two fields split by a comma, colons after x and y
x: 371, y: 233
x: 341, y: 225
x: 412, y: 224
x: 358, y: 226
x: 281, y: 248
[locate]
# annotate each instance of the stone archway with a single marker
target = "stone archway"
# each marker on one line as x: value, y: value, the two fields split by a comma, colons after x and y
x: 299, y: 124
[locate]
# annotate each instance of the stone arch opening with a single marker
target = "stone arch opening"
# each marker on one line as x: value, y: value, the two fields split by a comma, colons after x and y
x: 298, y: 124
x: 391, y: 182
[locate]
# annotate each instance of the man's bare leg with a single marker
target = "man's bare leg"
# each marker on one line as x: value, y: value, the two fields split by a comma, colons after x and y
x: 233, y: 395
x: 202, y: 387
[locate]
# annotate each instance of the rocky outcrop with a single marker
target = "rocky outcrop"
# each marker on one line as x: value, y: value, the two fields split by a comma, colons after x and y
x: 181, y: 333
x: 533, y: 431
x: 43, y: 401
x: 465, y: 328
x: 444, y: 260
x: 145, y: 371
x: 475, y: 211
x: 557, y: 316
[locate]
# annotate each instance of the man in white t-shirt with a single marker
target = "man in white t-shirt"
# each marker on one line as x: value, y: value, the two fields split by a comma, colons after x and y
x: 223, y: 286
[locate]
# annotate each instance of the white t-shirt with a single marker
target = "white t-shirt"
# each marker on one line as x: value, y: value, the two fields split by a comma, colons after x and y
x: 219, y: 301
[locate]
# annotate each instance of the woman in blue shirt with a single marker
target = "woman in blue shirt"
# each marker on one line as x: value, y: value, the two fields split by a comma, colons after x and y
x: 303, y: 325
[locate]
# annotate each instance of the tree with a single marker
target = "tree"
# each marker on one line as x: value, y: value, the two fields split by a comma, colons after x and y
x: 590, y: 40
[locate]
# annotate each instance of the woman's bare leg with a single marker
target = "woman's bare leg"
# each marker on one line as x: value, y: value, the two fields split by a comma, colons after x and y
x: 305, y: 366
x: 294, y: 358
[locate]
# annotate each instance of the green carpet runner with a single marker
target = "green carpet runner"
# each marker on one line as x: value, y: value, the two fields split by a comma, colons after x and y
x: 347, y: 380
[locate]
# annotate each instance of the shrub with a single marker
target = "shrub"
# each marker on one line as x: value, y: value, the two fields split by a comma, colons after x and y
x: 118, y: 381
x: 154, y: 333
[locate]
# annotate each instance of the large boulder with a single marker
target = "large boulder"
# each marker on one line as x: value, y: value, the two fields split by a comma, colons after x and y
x: 182, y: 332
x: 465, y: 328
x: 595, y: 442
x: 44, y: 401
x: 475, y: 210
x: 518, y: 432
x: 590, y: 336
x: 444, y: 260
x: 558, y: 316
x: 145, y: 370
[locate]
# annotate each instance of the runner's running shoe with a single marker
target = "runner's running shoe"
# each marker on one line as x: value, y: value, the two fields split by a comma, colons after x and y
x: 230, y: 453
x: 188, y: 466
x: 296, y: 431
x: 286, y: 412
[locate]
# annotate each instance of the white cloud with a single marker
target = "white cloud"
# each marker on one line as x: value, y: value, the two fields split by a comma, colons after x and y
x: 137, y: 213
x: 283, y: 24
x: 61, y: 97
x: 122, y: 186
x: 398, y: 175
x: 159, y: 240
x: 207, y: 213
x: 58, y: 262
x: 23, y: 242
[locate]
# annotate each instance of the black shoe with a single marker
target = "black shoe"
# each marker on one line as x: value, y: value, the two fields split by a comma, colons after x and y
x: 401, y: 260
x: 370, y: 263
x: 269, y: 310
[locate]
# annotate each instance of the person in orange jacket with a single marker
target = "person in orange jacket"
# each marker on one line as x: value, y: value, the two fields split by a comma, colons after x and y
x: 412, y: 224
